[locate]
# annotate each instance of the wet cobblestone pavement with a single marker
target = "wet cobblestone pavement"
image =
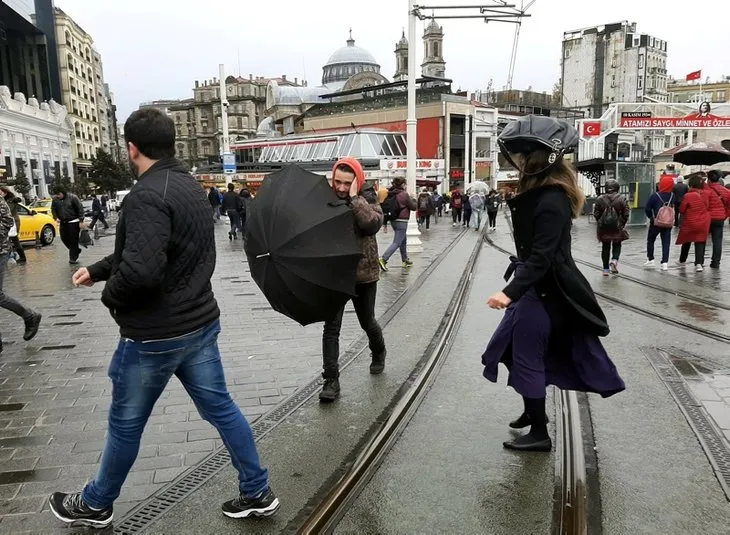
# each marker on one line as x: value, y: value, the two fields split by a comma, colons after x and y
x: 54, y: 391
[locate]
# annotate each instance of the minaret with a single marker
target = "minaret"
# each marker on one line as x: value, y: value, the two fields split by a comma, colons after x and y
x: 433, y: 43
x: 401, y: 59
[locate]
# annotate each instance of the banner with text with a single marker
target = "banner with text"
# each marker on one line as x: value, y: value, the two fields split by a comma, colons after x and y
x: 701, y: 120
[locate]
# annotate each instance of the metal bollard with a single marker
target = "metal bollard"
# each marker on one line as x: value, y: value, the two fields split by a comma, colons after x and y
x: 38, y: 240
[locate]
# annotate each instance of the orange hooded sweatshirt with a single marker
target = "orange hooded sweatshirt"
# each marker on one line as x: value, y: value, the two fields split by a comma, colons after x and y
x: 356, y: 166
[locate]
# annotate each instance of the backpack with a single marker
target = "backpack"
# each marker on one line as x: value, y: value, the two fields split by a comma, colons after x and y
x: 390, y: 207
x: 608, y: 222
x: 456, y: 202
x: 477, y: 202
x: 665, y: 215
x: 423, y: 203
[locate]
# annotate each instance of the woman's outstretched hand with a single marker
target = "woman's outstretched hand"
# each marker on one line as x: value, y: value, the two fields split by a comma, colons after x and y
x: 499, y: 301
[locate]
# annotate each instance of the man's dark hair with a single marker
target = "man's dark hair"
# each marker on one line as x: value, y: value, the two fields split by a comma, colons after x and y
x: 399, y: 182
x: 231, y: 186
x: 59, y: 189
x: 347, y: 169
x: 152, y: 132
x: 695, y: 181
x: 714, y: 175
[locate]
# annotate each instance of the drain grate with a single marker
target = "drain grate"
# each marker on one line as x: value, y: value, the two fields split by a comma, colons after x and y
x: 53, y: 348
x: 711, y: 440
x: 68, y: 323
x: 156, y: 505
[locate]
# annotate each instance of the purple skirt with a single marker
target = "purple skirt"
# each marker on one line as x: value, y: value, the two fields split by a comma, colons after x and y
x: 537, y: 356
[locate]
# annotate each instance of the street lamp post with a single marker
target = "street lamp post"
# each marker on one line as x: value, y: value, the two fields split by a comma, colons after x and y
x: 412, y: 234
x: 226, y: 155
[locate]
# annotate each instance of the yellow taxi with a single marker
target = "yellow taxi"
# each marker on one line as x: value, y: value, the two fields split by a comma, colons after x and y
x: 41, y: 206
x: 31, y: 221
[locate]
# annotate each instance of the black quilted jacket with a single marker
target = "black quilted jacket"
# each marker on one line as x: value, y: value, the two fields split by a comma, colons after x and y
x: 158, y: 278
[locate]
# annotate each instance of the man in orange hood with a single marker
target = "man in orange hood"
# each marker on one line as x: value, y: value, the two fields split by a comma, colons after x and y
x: 348, y: 183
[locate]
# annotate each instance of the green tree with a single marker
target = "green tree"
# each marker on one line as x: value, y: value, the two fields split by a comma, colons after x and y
x: 81, y: 186
x: 21, y: 184
x: 107, y: 175
x: 62, y: 181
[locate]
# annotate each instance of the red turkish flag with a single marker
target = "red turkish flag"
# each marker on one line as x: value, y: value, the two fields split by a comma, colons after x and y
x: 696, y: 75
x: 592, y: 129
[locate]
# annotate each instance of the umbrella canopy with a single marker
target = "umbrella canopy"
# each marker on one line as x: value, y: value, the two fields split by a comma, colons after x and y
x: 478, y: 187
x: 702, y: 154
x: 301, y: 246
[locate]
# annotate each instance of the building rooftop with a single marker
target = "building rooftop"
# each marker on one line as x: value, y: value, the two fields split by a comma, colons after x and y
x: 351, y: 54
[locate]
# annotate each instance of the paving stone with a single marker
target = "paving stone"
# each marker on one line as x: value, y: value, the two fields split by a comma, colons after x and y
x: 67, y: 392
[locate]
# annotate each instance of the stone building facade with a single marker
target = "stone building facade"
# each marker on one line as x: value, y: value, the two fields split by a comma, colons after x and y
x: 84, y: 93
x: 35, y: 137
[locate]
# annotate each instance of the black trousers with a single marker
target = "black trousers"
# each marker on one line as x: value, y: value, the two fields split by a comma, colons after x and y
x: 717, y: 229
x: 492, y: 219
x: 98, y: 217
x: 606, y: 255
x: 18, y: 247
x: 70, y: 238
x: 699, y: 253
x: 456, y: 214
x: 364, y: 303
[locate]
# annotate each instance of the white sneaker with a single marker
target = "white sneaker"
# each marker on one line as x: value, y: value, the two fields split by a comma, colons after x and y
x: 649, y: 263
x: 699, y: 268
x: 665, y: 266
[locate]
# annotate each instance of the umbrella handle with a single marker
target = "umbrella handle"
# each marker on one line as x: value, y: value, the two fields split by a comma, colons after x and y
x: 263, y: 255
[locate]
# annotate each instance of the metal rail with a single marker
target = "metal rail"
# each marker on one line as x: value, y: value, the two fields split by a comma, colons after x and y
x: 329, y: 512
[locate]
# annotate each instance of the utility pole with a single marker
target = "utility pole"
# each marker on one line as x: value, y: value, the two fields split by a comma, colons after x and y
x: 495, y: 10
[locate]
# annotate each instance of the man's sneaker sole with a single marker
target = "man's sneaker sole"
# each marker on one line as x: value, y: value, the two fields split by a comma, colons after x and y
x: 79, y: 523
x: 263, y: 511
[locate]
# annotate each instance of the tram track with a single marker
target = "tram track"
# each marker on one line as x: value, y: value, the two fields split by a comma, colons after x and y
x: 570, y: 512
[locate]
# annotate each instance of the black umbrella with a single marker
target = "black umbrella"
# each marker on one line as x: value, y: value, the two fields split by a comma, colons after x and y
x: 301, y: 245
x: 702, y: 154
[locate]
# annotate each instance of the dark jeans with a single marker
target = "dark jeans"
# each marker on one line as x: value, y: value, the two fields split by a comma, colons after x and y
x: 235, y: 220
x: 606, y: 255
x: 364, y: 303
x: 467, y: 217
x: 98, y: 217
x: 456, y: 214
x: 400, y: 241
x: 425, y: 219
x: 440, y: 210
x: 140, y: 372
x: 6, y: 302
x: 699, y: 253
x: 492, y: 219
x: 717, y: 229
x: 70, y: 238
x: 18, y: 247
x: 666, y: 237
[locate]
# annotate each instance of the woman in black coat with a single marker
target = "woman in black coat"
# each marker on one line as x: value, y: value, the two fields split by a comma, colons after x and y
x: 550, y: 331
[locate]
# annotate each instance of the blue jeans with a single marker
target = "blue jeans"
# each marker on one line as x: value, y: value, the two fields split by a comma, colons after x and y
x: 399, y: 241
x: 478, y: 219
x: 140, y: 372
x: 666, y: 236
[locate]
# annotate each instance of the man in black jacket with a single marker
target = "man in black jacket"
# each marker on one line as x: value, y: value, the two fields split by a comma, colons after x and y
x: 97, y: 213
x: 159, y: 292
x: 232, y: 206
x: 67, y: 209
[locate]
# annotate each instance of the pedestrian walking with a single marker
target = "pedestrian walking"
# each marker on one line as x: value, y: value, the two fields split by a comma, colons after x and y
x: 348, y: 181
x: 97, y: 213
x: 397, y: 208
x: 68, y: 211
x: 382, y: 195
x: 477, y: 202
x: 679, y: 191
x: 158, y: 289
x: 493, y: 204
x: 611, y: 213
x: 425, y: 209
x: 232, y: 207
x: 549, y: 334
x: 31, y: 318
x: 457, y: 203
x: 105, y: 205
x: 466, y: 204
x: 13, y: 203
x: 719, y: 199
x: 245, y: 204
x: 215, y: 203
x: 661, y: 213
x: 695, y: 223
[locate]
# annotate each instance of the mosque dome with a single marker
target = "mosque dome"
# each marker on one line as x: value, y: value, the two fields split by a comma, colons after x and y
x: 348, y: 61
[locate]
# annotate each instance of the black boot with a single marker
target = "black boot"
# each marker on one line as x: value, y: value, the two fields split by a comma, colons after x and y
x: 538, y: 438
x: 524, y: 419
x: 330, y: 390
x: 378, y: 364
x: 31, y: 326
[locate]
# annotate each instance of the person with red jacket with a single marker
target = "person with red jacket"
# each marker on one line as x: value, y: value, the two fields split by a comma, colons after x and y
x: 719, y: 199
x: 695, y: 223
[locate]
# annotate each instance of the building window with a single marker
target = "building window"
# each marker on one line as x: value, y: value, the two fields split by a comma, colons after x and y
x: 641, y: 61
x: 641, y: 83
x: 721, y: 96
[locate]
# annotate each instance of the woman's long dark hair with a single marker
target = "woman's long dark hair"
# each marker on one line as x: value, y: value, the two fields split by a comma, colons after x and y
x: 561, y: 174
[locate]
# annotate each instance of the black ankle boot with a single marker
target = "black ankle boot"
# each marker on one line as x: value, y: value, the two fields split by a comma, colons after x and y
x: 529, y: 443
x: 378, y: 363
x: 524, y: 421
x: 330, y: 390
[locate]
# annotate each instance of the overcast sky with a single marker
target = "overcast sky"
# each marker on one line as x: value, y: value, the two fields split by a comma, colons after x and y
x: 155, y: 49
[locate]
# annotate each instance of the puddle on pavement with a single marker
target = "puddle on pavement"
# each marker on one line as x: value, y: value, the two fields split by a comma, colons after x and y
x: 707, y: 381
x: 700, y: 312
